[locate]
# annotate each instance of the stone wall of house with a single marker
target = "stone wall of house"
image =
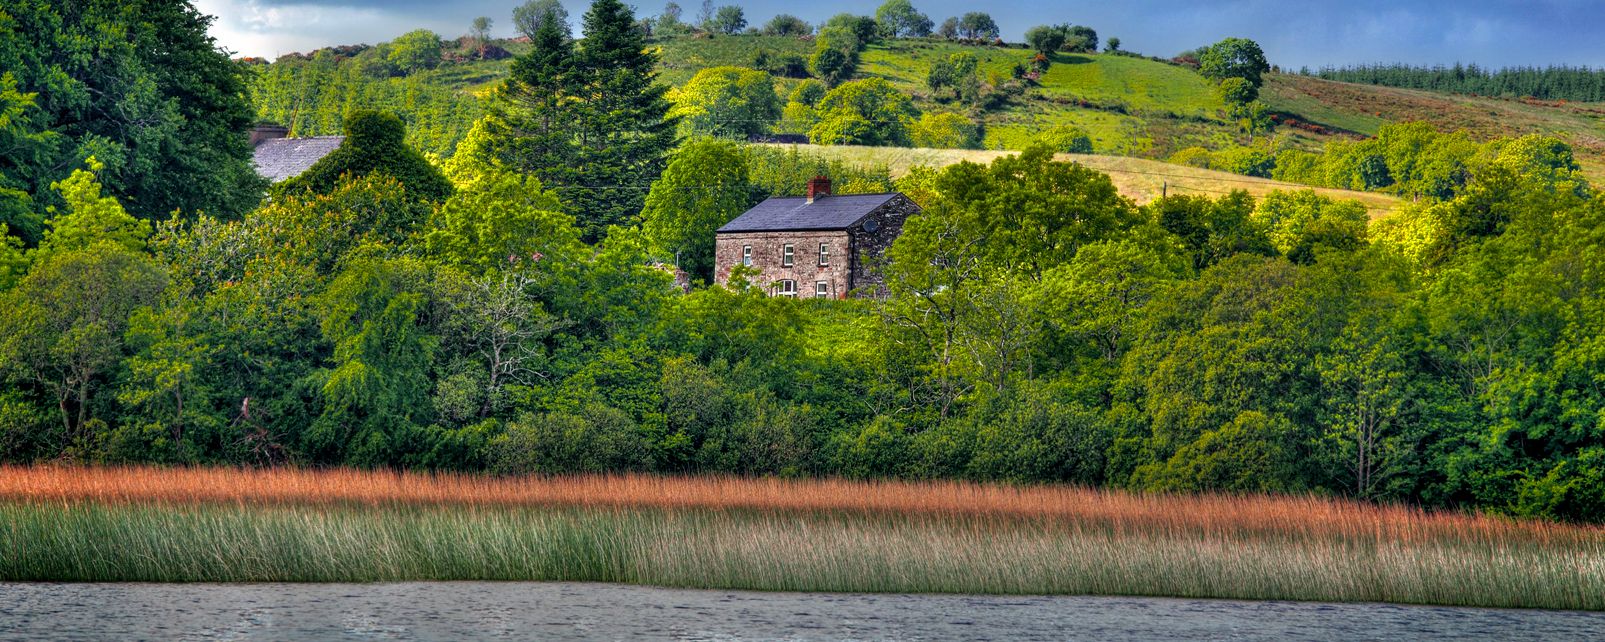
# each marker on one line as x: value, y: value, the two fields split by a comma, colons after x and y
x: 768, y: 251
x: 871, y: 238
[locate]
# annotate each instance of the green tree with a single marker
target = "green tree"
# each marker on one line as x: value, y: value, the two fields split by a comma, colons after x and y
x: 502, y: 221
x: 1044, y: 39
x: 668, y: 23
x: 864, y: 29
x: 139, y: 86
x: 480, y: 31
x: 89, y: 218
x: 28, y: 146
x: 786, y: 24
x: 864, y: 112
x: 375, y: 143
x: 729, y: 20
x: 592, y: 124
x: 704, y: 187
x: 899, y: 19
x: 1234, y: 58
x: 1079, y: 39
x: 529, y: 17
x: 956, y: 72
x: 729, y: 102
x: 415, y: 51
x: 63, y: 326
x: 977, y: 25
x: 1099, y: 296
x: 1068, y: 139
x: 945, y: 130
x: 1299, y: 224
x: 1236, y: 92
x: 835, y: 57
x: 376, y: 392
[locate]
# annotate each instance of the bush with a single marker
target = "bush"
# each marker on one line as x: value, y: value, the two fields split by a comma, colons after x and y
x: 1068, y: 139
x: 1192, y: 157
x: 945, y: 131
x: 594, y: 439
x: 1244, y: 160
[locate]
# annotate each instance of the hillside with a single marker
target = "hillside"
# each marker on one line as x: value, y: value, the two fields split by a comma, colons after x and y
x: 1140, y: 179
x: 1364, y: 108
x: 1128, y: 105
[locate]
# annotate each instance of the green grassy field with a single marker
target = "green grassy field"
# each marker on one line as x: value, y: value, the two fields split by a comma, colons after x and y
x: 1140, y: 179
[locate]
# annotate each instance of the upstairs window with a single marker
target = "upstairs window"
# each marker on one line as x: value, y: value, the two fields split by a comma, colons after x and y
x: 746, y: 255
x: 788, y: 288
x: 824, y: 254
x: 785, y: 256
x: 822, y: 289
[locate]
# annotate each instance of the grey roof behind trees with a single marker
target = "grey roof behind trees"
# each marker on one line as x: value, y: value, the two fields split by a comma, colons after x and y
x: 280, y: 159
x: 795, y: 213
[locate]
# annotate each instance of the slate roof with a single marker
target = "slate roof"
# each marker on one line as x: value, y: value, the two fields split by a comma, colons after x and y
x: 279, y: 159
x: 795, y: 214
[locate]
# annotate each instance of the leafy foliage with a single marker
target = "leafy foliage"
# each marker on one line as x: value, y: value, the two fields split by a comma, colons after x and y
x: 729, y: 102
x: 142, y: 88
x: 374, y: 144
x: 863, y: 112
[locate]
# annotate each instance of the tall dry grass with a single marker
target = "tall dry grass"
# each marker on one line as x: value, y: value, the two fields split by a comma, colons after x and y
x: 1124, y: 511
x: 142, y: 524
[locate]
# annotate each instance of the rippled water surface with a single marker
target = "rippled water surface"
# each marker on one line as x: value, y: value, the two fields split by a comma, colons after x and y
x: 479, y: 610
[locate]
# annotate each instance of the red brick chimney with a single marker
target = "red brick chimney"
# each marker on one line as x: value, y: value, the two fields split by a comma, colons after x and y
x: 818, y: 186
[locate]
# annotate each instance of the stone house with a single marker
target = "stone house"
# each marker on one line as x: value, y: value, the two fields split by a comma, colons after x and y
x: 814, y: 246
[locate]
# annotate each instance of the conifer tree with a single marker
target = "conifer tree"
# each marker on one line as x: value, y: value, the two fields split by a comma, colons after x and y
x: 626, y: 133
x: 591, y: 123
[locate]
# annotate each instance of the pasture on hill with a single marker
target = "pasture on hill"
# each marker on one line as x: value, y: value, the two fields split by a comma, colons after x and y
x: 1139, y: 179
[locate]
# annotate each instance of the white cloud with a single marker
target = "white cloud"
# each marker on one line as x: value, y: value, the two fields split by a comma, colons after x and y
x: 252, y: 28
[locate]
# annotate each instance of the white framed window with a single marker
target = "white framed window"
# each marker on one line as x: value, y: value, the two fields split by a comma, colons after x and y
x: 788, y: 287
x: 785, y: 255
x: 824, y: 254
x: 746, y: 255
x: 822, y: 289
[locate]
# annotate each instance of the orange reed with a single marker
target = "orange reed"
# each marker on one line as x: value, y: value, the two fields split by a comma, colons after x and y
x: 1293, y: 516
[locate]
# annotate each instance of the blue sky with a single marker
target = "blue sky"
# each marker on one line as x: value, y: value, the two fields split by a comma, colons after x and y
x: 1293, y: 33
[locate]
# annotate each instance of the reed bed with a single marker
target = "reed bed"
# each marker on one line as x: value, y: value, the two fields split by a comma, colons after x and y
x: 1216, y: 514
x: 140, y: 524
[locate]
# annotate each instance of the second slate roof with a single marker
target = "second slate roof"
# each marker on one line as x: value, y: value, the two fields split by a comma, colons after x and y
x: 280, y: 159
x: 795, y: 213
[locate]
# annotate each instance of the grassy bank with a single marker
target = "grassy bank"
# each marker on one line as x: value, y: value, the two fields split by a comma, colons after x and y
x: 144, y: 525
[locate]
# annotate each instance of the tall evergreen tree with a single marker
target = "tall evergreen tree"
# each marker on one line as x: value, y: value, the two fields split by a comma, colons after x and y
x: 593, y: 123
x: 626, y: 133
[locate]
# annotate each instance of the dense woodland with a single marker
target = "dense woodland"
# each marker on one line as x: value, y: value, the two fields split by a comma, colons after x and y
x: 1578, y: 84
x: 509, y: 310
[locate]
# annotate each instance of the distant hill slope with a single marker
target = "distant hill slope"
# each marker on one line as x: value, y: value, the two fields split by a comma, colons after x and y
x: 1365, y: 108
x: 1140, y: 179
x: 1130, y: 106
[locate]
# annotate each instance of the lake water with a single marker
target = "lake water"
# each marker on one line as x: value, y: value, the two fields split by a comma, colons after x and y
x: 552, y: 611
